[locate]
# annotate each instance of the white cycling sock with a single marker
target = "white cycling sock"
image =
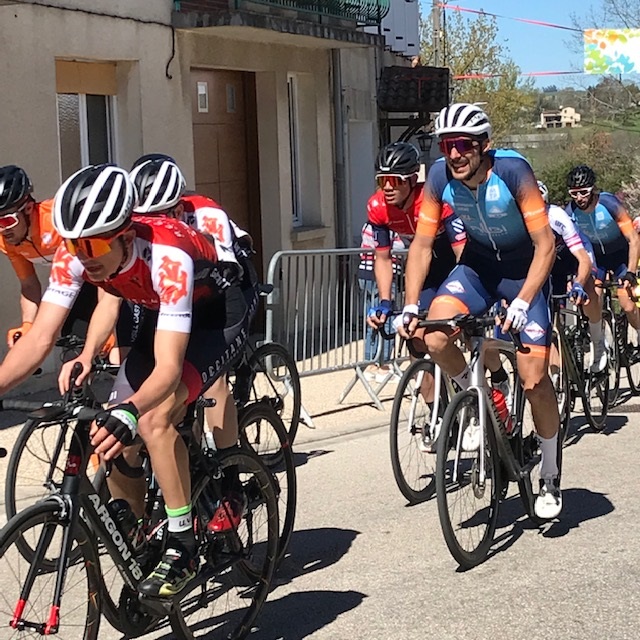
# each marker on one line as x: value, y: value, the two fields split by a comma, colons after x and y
x: 463, y: 378
x: 595, y: 329
x: 549, y: 462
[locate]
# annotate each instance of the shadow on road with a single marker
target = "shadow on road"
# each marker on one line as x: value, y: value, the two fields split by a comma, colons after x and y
x: 300, y: 458
x: 579, y: 428
x: 297, y: 615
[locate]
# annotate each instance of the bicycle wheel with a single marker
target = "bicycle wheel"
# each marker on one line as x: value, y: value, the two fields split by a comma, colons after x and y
x: 562, y: 387
x: 228, y: 593
x: 80, y: 606
x: 276, y: 377
x: 261, y: 430
x: 611, y: 340
x: 412, y: 434
x: 467, y: 502
x: 628, y: 340
x: 596, y: 399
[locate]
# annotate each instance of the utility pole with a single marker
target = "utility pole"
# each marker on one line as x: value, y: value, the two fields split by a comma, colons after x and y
x: 436, y: 22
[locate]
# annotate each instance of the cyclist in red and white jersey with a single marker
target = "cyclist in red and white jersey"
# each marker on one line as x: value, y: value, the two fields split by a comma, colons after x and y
x: 167, y: 267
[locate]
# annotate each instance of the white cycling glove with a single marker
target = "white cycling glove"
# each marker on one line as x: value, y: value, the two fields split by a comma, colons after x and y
x: 517, y: 314
x: 409, y: 312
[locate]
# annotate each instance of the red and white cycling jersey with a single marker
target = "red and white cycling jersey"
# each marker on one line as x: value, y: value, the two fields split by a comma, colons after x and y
x: 171, y: 267
x: 207, y: 216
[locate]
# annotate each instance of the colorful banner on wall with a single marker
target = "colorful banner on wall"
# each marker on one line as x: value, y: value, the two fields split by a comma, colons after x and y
x: 612, y: 51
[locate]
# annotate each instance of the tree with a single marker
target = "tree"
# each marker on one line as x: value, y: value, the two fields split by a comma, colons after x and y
x: 471, y: 47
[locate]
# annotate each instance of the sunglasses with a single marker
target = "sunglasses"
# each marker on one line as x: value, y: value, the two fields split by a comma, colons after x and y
x: 10, y: 220
x: 576, y: 193
x: 90, y: 247
x: 394, y: 180
x: 461, y: 145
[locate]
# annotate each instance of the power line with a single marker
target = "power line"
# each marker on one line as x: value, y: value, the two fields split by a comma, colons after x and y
x: 480, y: 12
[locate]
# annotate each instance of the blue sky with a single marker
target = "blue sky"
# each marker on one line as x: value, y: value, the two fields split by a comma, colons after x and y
x: 532, y: 47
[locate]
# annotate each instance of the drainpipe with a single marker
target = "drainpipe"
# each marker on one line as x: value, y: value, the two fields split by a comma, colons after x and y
x: 341, y: 175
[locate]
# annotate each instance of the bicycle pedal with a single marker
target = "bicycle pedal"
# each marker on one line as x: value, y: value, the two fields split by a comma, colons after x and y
x: 159, y: 606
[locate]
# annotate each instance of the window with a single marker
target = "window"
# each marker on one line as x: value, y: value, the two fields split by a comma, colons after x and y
x: 85, y: 127
x: 294, y: 145
x: 86, y: 113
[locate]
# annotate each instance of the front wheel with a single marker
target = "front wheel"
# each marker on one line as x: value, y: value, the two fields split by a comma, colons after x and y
x: 468, y: 484
x: 25, y: 612
x: 237, y: 566
x: 613, y: 348
x: 630, y: 341
x: 413, y: 432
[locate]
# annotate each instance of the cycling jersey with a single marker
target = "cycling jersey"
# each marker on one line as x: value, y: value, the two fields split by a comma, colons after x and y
x: 171, y: 267
x: 498, y: 216
x: 40, y: 244
x: 566, y: 233
x: 207, y: 216
x: 606, y: 226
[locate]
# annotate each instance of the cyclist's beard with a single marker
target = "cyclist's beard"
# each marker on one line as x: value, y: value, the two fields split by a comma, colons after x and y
x: 588, y: 203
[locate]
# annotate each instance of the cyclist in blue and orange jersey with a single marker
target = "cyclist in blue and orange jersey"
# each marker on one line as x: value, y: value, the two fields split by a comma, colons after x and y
x: 161, y: 192
x: 28, y: 238
x: 604, y: 220
x: 193, y: 330
x: 508, y: 255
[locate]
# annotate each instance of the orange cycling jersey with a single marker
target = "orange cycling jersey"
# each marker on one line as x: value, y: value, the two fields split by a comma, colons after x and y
x: 40, y: 244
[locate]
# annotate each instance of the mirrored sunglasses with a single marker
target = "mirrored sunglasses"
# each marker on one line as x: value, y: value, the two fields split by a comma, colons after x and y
x: 461, y: 145
x: 394, y: 180
x: 576, y: 193
x: 91, y: 247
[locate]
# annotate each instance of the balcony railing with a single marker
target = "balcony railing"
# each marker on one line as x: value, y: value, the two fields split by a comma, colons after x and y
x: 369, y: 12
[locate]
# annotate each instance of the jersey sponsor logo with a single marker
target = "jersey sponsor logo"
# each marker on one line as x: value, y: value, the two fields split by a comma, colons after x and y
x: 534, y: 331
x: 213, y: 227
x: 60, y: 271
x: 173, y: 281
x: 455, y: 286
x: 496, y: 212
x: 458, y: 226
x: 493, y: 193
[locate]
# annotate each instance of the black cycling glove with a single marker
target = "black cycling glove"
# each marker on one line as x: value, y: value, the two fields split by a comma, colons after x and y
x: 120, y: 421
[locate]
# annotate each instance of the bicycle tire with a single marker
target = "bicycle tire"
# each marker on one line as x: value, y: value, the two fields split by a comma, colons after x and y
x: 21, y: 478
x: 562, y: 389
x: 467, y: 555
x: 596, y: 400
x: 47, y: 513
x: 255, y: 565
x: 611, y: 339
x: 629, y: 340
x: 420, y: 486
x: 283, y: 389
x: 277, y: 455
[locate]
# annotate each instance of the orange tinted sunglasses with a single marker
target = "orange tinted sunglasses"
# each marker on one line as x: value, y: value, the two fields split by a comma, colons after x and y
x: 91, y: 247
x: 394, y: 180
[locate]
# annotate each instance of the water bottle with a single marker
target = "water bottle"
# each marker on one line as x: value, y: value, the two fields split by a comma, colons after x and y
x: 121, y: 512
x: 504, y: 414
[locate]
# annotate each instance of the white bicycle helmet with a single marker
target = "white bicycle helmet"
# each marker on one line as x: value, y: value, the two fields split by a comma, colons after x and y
x: 463, y: 118
x: 160, y: 185
x: 95, y: 200
x: 543, y: 191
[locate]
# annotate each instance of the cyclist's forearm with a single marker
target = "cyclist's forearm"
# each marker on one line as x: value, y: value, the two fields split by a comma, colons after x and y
x: 634, y: 252
x: 584, y: 267
x: 544, y: 255
x: 103, y: 320
x: 30, y: 295
x: 383, y: 270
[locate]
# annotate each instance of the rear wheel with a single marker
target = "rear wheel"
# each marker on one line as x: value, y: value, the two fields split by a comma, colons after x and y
x: 276, y: 378
x: 235, y: 575
x: 79, y: 615
x: 413, y: 433
x: 468, y: 484
x: 628, y: 337
x: 613, y: 348
x: 561, y: 386
x: 261, y: 430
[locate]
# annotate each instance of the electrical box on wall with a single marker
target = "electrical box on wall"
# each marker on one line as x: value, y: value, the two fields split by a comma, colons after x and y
x: 403, y: 89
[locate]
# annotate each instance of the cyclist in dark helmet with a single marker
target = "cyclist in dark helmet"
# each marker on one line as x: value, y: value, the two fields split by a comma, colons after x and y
x: 603, y: 219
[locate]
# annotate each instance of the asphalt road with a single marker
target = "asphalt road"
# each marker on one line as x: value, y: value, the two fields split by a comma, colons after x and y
x: 365, y: 566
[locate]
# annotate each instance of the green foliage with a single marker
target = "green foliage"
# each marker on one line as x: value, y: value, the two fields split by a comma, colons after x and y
x: 472, y: 46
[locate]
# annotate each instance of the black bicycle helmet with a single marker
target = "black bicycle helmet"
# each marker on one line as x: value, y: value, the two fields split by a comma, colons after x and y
x: 151, y: 157
x: 401, y: 158
x: 95, y: 200
x: 580, y: 177
x: 15, y: 187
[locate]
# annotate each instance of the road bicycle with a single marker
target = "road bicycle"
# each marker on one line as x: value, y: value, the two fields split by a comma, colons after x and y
x: 51, y: 549
x: 572, y: 377
x: 471, y: 484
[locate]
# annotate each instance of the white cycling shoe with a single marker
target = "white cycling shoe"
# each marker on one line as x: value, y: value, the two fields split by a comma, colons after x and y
x: 471, y: 435
x: 599, y: 360
x: 549, y: 501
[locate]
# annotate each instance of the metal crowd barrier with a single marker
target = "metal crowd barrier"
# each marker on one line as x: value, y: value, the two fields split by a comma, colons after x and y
x: 317, y: 309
